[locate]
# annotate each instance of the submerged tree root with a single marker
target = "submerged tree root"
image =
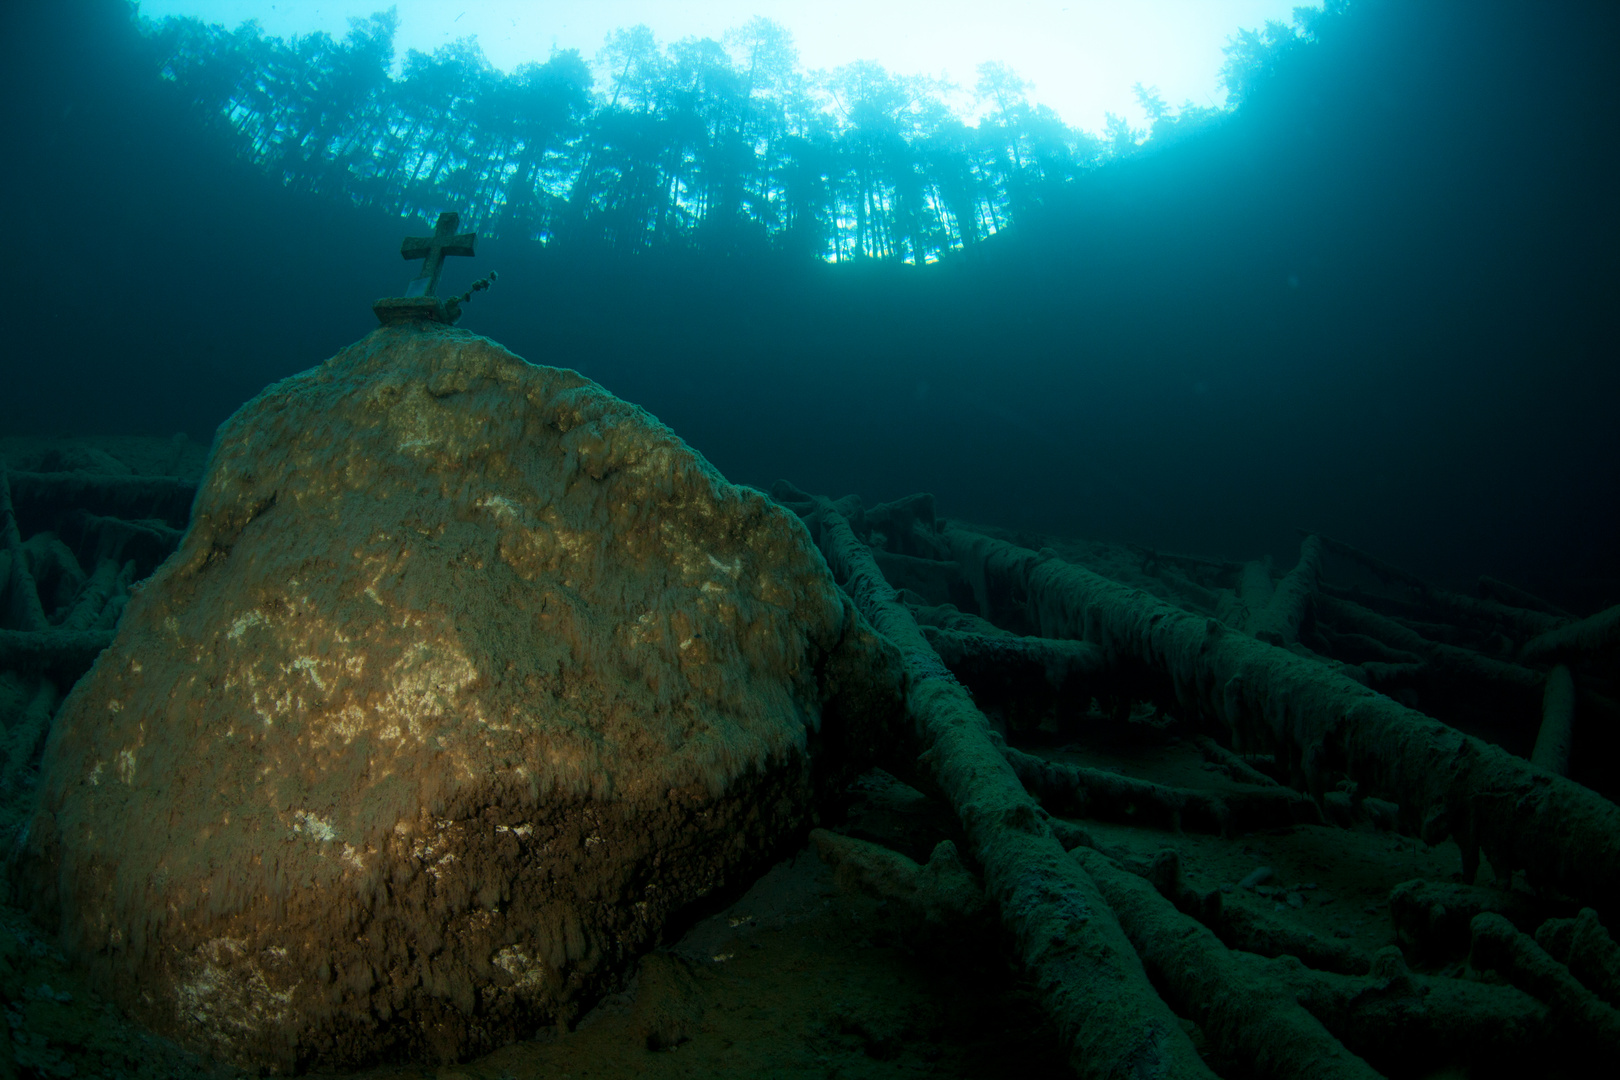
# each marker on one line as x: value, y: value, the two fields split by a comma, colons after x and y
x: 1599, y: 633
x: 72, y: 544
x: 1242, y: 927
x: 1387, y: 640
x: 1579, y: 1012
x: 123, y: 496
x: 1077, y: 791
x: 939, y: 893
x: 1326, y: 725
x: 1583, y: 945
x: 25, y: 734
x: 1091, y: 980
x: 1161, y: 647
x: 1033, y: 677
x: 19, y: 594
x: 1237, y: 998
x: 1441, y: 605
x: 59, y: 654
x: 1434, y: 919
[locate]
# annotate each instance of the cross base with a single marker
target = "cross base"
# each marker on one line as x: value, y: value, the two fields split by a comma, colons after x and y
x: 393, y: 310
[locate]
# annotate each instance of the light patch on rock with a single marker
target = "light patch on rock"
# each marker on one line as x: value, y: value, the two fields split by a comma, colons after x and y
x: 431, y: 852
x: 227, y: 995
x: 348, y: 722
x: 316, y: 828
x: 243, y: 622
x: 310, y: 666
x: 526, y: 971
x: 646, y: 629
x: 423, y: 682
x: 500, y: 505
x: 732, y: 568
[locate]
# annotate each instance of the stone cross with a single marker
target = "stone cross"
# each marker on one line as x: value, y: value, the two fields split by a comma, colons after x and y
x: 432, y: 250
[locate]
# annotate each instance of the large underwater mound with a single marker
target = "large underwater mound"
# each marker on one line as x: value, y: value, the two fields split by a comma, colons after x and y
x: 466, y: 677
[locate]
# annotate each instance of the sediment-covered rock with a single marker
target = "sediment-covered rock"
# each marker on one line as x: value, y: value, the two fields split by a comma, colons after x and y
x: 465, y: 677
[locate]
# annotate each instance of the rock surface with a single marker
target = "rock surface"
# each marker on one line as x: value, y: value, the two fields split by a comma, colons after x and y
x: 466, y: 677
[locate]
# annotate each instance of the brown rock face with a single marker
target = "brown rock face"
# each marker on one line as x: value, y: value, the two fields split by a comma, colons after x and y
x: 466, y: 676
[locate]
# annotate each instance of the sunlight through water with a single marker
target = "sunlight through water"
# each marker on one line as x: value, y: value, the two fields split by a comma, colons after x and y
x: 1082, y: 57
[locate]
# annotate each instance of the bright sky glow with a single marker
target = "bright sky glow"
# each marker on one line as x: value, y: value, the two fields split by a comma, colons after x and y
x: 1081, y: 55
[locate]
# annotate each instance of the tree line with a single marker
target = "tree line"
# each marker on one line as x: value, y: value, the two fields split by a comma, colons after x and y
x: 725, y: 145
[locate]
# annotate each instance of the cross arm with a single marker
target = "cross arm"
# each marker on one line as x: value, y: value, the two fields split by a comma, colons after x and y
x: 420, y: 247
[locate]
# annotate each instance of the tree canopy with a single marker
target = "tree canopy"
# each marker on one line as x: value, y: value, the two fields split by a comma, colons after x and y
x: 727, y: 145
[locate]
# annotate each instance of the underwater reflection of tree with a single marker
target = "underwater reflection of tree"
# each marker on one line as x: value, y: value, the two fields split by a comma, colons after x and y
x: 725, y: 146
